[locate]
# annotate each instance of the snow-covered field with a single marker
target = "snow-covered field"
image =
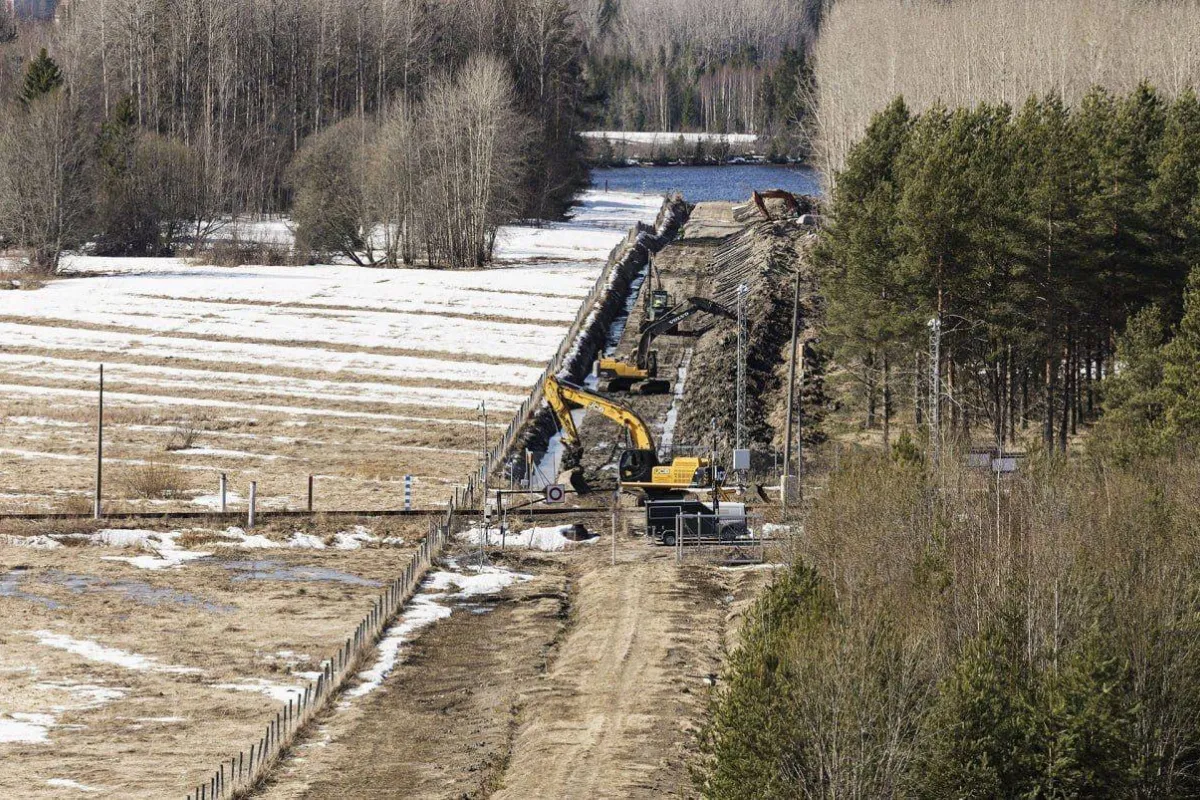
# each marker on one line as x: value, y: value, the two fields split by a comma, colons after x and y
x: 271, y: 373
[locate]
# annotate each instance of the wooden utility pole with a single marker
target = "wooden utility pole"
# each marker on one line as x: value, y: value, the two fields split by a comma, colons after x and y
x: 787, y: 427
x: 99, y: 447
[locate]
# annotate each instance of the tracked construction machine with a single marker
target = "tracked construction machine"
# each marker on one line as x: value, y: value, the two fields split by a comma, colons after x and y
x: 640, y: 374
x: 639, y: 467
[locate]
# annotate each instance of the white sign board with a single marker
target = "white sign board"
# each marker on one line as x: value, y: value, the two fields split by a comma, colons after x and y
x: 556, y: 493
x: 741, y: 459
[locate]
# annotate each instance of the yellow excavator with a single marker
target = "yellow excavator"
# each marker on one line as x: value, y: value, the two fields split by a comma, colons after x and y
x: 641, y: 374
x: 639, y: 467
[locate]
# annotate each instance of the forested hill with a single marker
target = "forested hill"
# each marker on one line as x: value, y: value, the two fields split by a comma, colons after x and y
x: 247, y: 82
x: 669, y: 65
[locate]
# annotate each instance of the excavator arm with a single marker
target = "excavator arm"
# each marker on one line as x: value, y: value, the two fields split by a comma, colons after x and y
x: 564, y: 396
x: 686, y: 309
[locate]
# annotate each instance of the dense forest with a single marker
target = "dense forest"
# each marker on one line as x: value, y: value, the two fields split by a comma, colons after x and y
x: 670, y: 65
x: 996, y: 51
x: 1010, y: 259
x: 1029, y: 236
x: 228, y: 93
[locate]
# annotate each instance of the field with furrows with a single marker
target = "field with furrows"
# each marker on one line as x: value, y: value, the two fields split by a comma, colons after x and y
x: 357, y: 376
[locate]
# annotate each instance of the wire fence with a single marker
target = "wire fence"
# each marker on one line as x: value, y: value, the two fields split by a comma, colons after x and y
x: 237, y: 776
x: 647, y: 238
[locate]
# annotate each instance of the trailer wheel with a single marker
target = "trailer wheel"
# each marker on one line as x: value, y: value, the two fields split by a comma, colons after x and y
x: 669, y: 539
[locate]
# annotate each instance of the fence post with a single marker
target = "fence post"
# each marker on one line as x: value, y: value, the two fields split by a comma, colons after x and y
x: 224, y: 481
x: 253, y: 501
x: 310, y: 494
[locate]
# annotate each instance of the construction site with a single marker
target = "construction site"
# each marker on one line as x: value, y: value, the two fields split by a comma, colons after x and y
x: 553, y: 625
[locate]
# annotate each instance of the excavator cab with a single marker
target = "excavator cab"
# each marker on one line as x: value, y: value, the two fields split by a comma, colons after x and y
x: 658, y: 303
x: 637, y: 466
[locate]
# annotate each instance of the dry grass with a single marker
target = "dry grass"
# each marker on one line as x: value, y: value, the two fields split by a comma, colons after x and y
x: 166, y: 730
x: 182, y: 437
x: 153, y: 481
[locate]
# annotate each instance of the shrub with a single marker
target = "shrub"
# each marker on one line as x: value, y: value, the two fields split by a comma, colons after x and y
x: 154, y: 481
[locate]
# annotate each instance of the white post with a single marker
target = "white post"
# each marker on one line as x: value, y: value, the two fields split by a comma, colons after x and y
x: 616, y: 500
x: 407, y: 493
x: 99, y: 447
x: 253, y: 501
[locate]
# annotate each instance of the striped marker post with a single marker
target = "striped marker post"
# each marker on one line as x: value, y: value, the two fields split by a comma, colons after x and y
x: 408, y: 492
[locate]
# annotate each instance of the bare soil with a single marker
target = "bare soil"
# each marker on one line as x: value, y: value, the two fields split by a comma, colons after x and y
x: 442, y: 723
x: 589, y: 681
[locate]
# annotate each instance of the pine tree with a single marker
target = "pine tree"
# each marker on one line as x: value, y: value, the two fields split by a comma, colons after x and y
x: 752, y: 744
x: 983, y: 725
x: 861, y: 254
x: 41, y: 78
x: 1181, y: 368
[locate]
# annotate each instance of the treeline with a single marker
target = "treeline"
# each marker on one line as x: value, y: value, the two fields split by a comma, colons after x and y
x: 735, y: 67
x: 961, y: 53
x: 241, y: 86
x: 945, y: 637
x: 1029, y: 236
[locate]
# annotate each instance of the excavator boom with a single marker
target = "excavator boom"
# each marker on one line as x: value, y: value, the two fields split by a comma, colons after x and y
x: 564, y: 396
x: 686, y: 309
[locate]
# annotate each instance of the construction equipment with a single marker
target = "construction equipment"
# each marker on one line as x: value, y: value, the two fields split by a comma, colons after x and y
x: 757, y: 207
x: 657, y: 300
x: 641, y: 375
x: 638, y: 467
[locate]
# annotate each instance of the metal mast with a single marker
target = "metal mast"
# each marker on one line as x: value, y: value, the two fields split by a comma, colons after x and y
x: 743, y: 337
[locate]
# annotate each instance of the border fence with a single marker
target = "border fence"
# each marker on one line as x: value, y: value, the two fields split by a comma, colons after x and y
x: 236, y: 776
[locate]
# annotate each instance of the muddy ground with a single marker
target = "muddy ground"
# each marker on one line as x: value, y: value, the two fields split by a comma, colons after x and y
x: 588, y: 681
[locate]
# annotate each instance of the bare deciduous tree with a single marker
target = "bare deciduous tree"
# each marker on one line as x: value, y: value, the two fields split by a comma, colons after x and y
x: 45, y: 198
x: 963, y: 53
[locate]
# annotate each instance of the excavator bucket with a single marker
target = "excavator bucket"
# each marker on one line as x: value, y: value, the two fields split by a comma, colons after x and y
x: 574, y: 479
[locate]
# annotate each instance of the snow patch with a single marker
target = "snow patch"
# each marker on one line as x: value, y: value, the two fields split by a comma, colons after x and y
x: 25, y: 728
x: 67, y: 783
x: 38, y: 542
x: 213, y: 501
x: 425, y: 609
x: 94, y: 651
x: 551, y: 539
x: 275, y: 691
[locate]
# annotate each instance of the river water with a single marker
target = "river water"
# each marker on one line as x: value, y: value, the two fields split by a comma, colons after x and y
x: 696, y: 184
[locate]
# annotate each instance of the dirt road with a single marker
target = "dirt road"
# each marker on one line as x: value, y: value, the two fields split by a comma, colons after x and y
x: 442, y: 723
x: 588, y: 681
x: 614, y: 715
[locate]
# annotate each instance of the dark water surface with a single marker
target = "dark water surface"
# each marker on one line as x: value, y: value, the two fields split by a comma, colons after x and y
x: 696, y: 184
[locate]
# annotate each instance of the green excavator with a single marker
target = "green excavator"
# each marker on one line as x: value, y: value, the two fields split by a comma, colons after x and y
x: 640, y: 373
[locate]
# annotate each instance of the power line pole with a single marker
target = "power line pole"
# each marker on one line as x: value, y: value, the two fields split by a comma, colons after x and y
x: 740, y: 420
x: 483, y: 502
x: 935, y: 389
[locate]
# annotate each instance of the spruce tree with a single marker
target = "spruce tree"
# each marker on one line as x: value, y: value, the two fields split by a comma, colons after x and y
x: 42, y: 77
